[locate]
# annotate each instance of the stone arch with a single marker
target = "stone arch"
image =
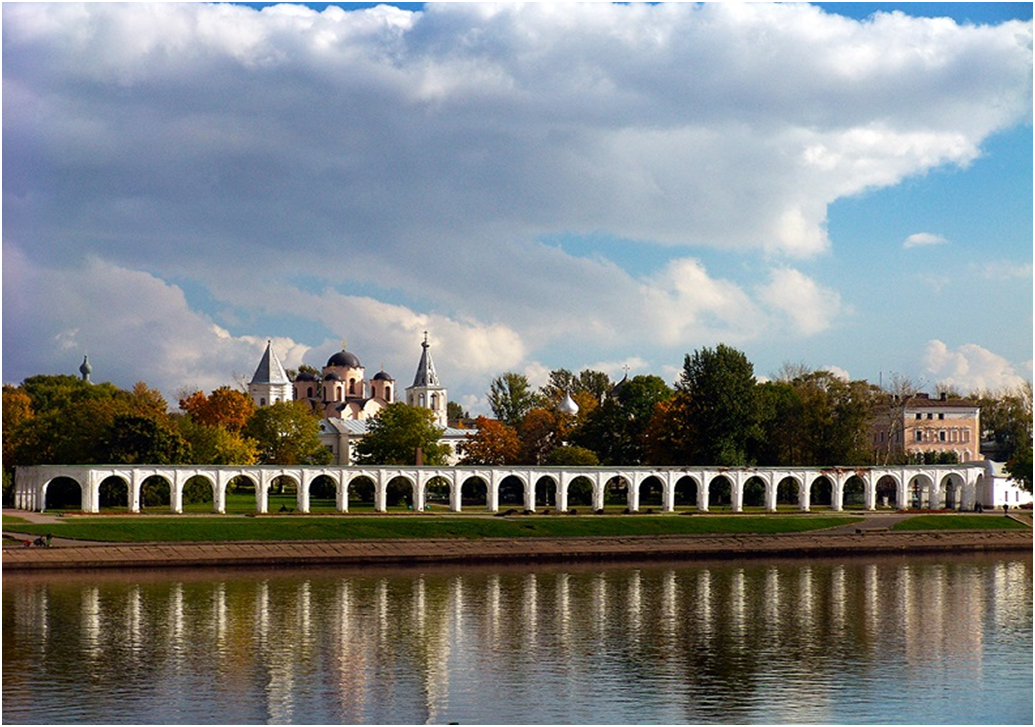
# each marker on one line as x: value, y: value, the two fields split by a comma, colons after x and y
x: 921, y: 492
x: 155, y: 492
x: 474, y: 492
x: 437, y: 490
x: 686, y: 490
x: 821, y: 492
x: 545, y: 491
x: 199, y: 489
x: 360, y: 491
x: 651, y: 493
x: 951, y: 488
x: 853, y: 495
x: 580, y: 492
x: 400, y: 491
x: 63, y: 493
x: 720, y: 491
x: 616, y: 491
x: 512, y: 490
x: 886, y: 492
x: 788, y: 492
x: 322, y: 488
x: 754, y: 492
x: 113, y: 492
x: 282, y: 494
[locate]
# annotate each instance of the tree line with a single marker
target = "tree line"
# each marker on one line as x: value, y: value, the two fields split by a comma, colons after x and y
x: 717, y: 414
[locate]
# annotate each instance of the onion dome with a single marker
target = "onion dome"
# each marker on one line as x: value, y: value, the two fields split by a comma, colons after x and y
x: 305, y: 376
x: 331, y: 376
x: 383, y: 376
x: 85, y: 368
x: 568, y: 406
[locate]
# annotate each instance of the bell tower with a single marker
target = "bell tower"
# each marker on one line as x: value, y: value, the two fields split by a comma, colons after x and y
x: 426, y: 391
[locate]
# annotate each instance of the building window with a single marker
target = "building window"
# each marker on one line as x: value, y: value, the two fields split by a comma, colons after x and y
x: 941, y: 415
x: 919, y: 416
x: 941, y: 436
x: 930, y: 415
x: 919, y: 435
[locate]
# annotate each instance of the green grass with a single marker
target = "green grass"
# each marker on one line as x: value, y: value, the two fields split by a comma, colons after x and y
x: 145, y: 528
x: 958, y: 522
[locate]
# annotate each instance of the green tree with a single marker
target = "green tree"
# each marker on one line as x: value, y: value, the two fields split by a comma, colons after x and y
x: 572, y: 456
x: 511, y: 398
x: 287, y: 433
x: 216, y: 445
x: 616, y: 430
x: 133, y: 439
x: 396, y: 434
x: 722, y: 405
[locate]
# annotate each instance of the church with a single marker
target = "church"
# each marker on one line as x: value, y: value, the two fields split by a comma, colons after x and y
x: 345, y: 398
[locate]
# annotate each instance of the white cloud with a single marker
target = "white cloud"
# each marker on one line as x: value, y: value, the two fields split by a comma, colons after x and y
x: 970, y: 368
x: 838, y: 372
x: 923, y: 239
x: 381, y: 172
x: 809, y: 307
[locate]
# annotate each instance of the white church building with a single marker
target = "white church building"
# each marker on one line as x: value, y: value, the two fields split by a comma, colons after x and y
x: 347, y: 400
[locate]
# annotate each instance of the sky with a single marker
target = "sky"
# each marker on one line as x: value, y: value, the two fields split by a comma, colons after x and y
x: 847, y: 187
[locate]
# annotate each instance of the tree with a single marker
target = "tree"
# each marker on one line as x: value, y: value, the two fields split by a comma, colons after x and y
x: 511, y: 397
x: 615, y: 430
x: 216, y: 445
x: 225, y: 407
x: 494, y: 444
x: 540, y: 431
x: 455, y: 411
x: 287, y: 433
x: 396, y: 434
x: 135, y: 439
x: 572, y: 456
x: 722, y: 405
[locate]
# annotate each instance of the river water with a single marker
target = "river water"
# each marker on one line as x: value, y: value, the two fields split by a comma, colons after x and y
x: 864, y: 640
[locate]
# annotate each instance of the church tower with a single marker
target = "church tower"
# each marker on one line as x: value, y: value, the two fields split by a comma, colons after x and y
x: 270, y: 384
x: 427, y: 392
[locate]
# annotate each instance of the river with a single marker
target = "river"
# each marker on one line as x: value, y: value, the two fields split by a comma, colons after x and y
x: 886, y: 640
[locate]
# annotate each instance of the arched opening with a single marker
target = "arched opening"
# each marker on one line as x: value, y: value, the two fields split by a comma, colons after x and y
x: 854, y: 496
x: 474, y: 492
x: 282, y: 495
x: 155, y: 492
x: 953, y: 486
x: 650, y: 493
x: 512, y: 491
x: 545, y: 492
x: 887, y: 492
x: 399, y: 493
x: 388, y: 394
x: 920, y: 488
x: 754, y: 492
x: 361, y: 493
x: 323, y: 494
x: 616, y: 492
x: 580, y: 492
x: 787, y: 493
x: 686, y: 492
x: 436, y: 491
x: 197, y: 492
x: 113, y: 493
x: 821, y: 492
x: 63, y: 493
x: 720, y: 492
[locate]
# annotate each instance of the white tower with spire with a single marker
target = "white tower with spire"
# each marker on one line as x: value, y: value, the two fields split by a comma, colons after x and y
x: 270, y: 384
x: 427, y: 392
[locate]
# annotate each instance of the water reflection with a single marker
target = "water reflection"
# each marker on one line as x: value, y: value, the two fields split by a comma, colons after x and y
x: 889, y: 641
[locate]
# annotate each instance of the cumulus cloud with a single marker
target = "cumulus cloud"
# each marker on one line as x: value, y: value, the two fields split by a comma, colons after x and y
x: 806, y: 305
x: 970, y: 368
x: 923, y: 239
x: 383, y: 171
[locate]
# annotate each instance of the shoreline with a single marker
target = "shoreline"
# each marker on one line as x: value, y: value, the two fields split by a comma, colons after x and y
x: 531, y: 550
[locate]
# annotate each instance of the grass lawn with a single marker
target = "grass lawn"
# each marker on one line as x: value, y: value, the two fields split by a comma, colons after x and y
x: 958, y: 522
x: 145, y: 528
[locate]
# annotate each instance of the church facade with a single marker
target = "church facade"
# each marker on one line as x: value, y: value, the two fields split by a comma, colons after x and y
x: 347, y: 400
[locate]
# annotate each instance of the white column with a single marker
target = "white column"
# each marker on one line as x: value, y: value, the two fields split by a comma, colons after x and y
x: 302, y: 495
x: 771, y: 486
x: 219, y: 480
x: 381, y: 491
x: 341, y: 494
x: 418, y: 492
x: 175, y: 492
x: 737, y: 490
x: 529, y: 491
x: 837, y: 492
x: 632, y: 497
x: 492, y: 490
x: 456, y: 493
x: 562, y: 492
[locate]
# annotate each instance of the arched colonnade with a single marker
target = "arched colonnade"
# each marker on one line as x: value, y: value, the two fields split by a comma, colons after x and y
x: 903, y: 487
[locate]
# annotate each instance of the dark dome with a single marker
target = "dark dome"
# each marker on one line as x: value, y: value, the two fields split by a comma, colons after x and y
x: 383, y: 376
x: 331, y: 376
x: 305, y: 376
x: 344, y: 358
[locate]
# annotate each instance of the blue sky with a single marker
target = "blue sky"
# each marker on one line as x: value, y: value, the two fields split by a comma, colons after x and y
x: 545, y: 186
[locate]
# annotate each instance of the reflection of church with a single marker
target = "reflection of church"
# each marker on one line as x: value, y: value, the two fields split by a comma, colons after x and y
x: 344, y: 396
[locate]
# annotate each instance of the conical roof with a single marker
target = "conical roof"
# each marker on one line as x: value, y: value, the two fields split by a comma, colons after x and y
x: 426, y: 375
x: 269, y: 370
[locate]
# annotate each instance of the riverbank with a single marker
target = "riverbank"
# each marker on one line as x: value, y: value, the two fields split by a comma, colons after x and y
x: 422, y: 552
